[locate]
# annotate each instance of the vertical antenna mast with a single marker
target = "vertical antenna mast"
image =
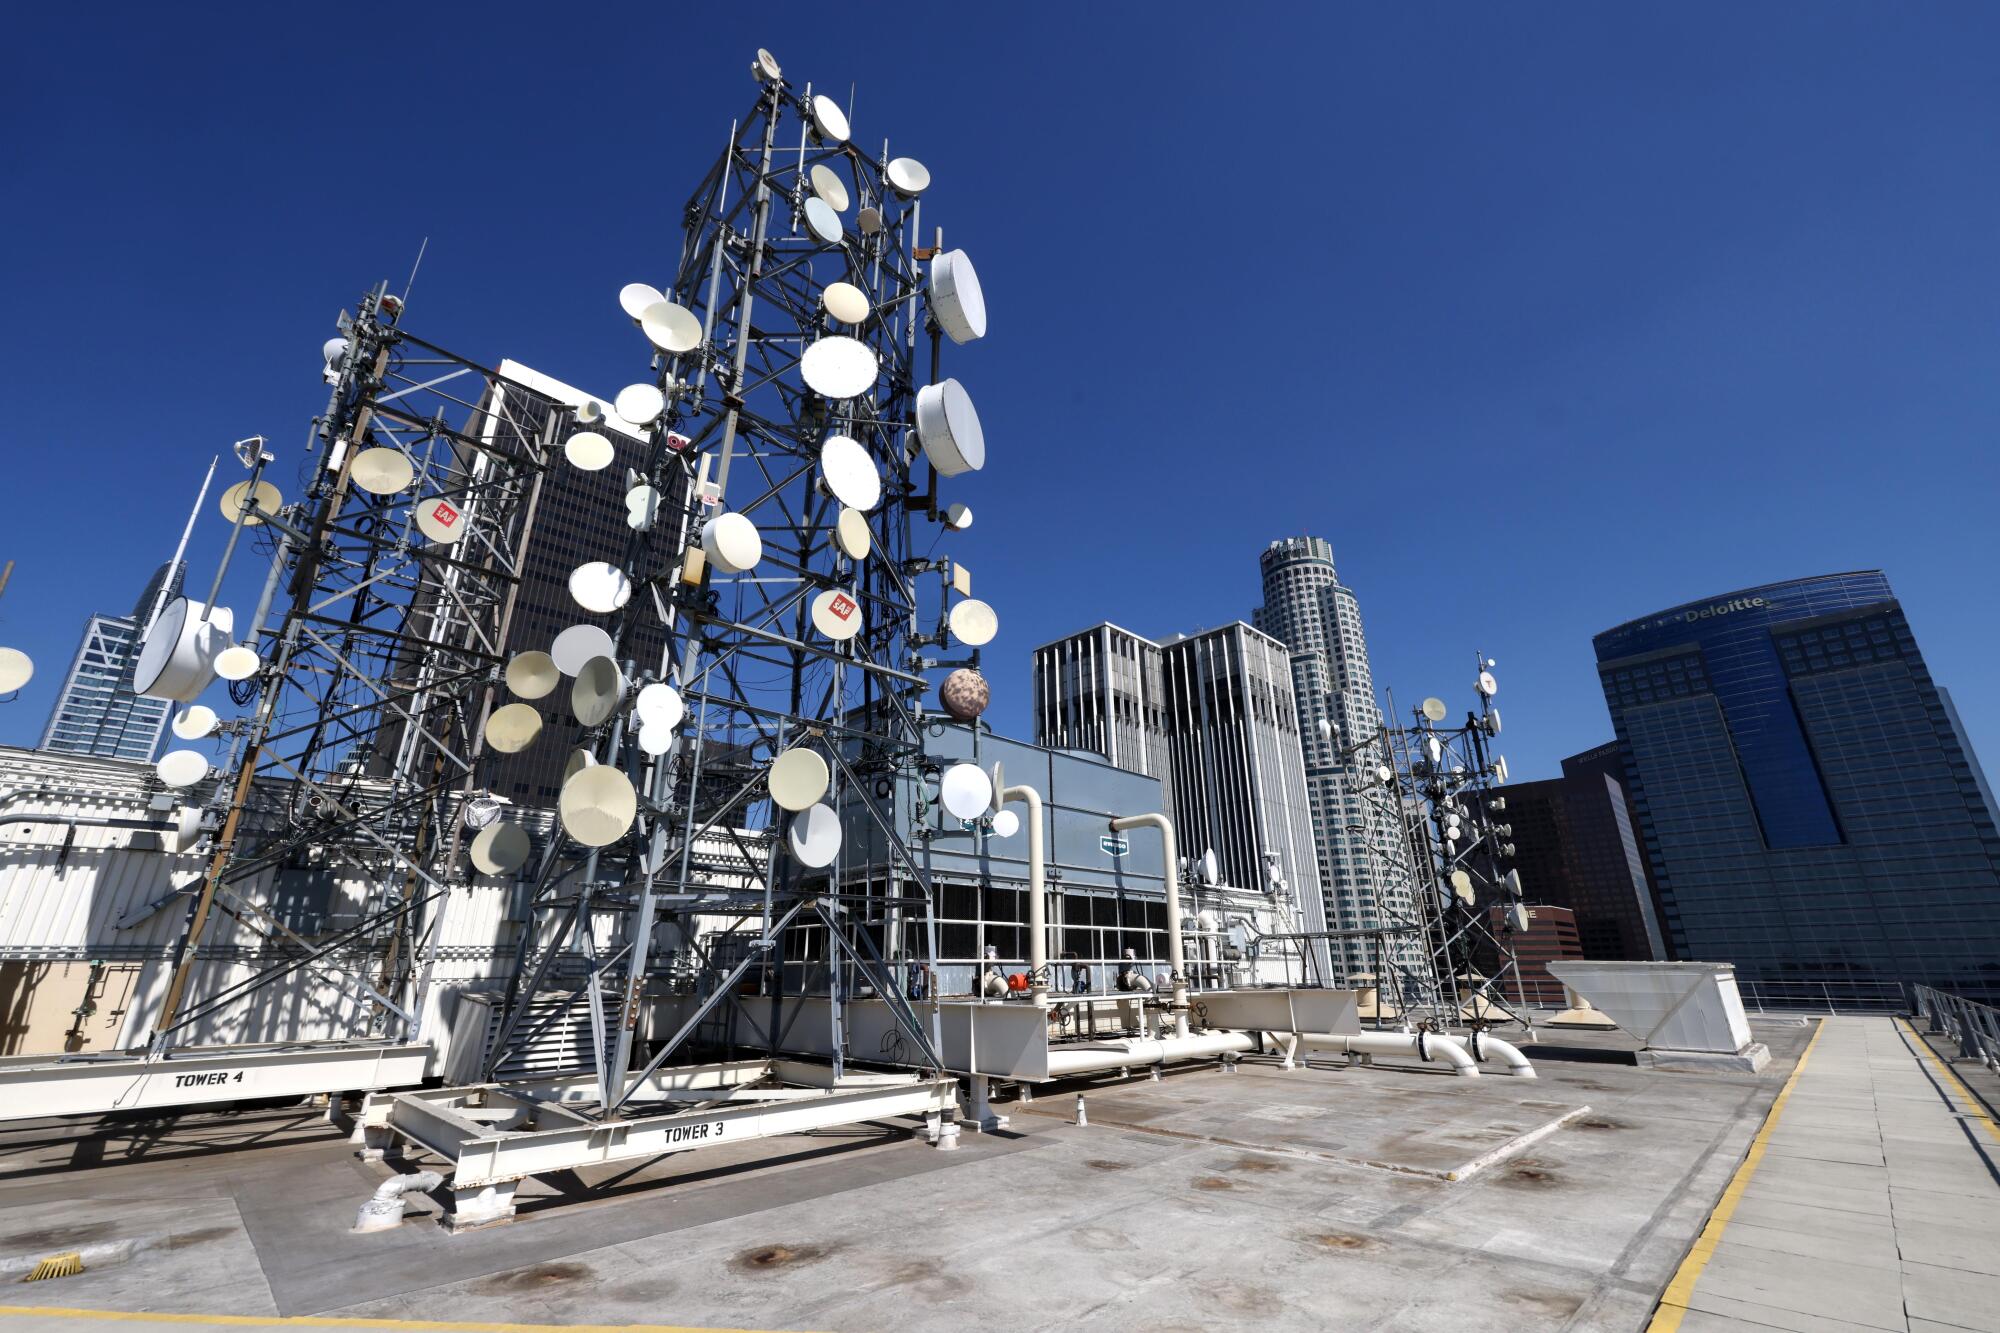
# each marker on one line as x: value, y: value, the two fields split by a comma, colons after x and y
x: 160, y: 597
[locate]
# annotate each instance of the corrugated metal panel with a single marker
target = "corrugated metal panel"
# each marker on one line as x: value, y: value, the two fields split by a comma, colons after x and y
x: 87, y: 896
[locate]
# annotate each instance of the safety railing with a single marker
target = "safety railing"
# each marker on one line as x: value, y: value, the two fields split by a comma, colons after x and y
x: 1823, y: 997
x: 1974, y: 1026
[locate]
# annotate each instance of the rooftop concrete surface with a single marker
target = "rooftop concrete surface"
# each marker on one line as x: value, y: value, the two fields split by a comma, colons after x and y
x: 1312, y: 1198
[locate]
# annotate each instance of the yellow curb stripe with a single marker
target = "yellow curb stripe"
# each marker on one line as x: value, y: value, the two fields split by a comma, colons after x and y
x: 1973, y: 1106
x: 336, y: 1321
x: 1673, y: 1302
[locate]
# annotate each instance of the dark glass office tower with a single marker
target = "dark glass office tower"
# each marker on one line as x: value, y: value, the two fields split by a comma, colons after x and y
x: 1809, y: 804
x: 1576, y: 846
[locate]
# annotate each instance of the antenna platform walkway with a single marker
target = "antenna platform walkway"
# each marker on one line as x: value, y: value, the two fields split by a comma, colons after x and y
x: 1870, y: 1200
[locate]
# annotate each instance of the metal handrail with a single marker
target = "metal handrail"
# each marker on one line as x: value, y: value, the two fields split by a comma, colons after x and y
x: 1974, y: 1026
x: 1823, y: 997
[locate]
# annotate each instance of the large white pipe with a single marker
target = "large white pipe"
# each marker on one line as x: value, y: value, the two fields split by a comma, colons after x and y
x: 1176, y: 955
x: 1517, y: 1063
x: 1419, y: 1044
x: 1066, y: 1061
x: 1038, y: 912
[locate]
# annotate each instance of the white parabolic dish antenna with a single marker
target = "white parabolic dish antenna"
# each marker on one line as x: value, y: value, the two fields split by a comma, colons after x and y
x: 177, y: 661
x: 639, y: 404
x: 577, y: 645
x: 828, y: 185
x: 798, y: 778
x: 908, y: 177
x: 1006, y: 824
x: 823, y: 222
x: 513, y: 727
x: 815, y: 836
x: 1492, y: 721
x: 829, y: 119
x: 634, y: 298
x: 851, y: 534
x: 600, y: 587
x: 660, y: 705
x: 187, y: 829
x: 499, y: 849
x: 973, y: 622
x: 671, y: 327
x: 732, y: 543
x: 956, y: 300
x: 237, y: 662
x: 598, y: 689
x: 1461, y: 884
x: 1211, y: 871
x: 959, y: 517
x: 588, y: 451
x: 850, y: 474
x: 836, y: 614
x: 597, y: 805
x: 182, y: 768
x: 845, y: 302
x: 1434, y: 709
x: 381, y: 471
x: 654, y: 738
x: 441, y: 520
x: 16, y: 669
x: 966, y: 790
x: 1487, y: 685
x: 949, y: 429
x: 532, y: 675
x: 242, y: 499
x: 838, y: 367
x: 194, y: 722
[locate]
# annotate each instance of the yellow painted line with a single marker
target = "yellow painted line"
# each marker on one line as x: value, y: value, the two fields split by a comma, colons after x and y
x: 1972, y: 1103
x: 336, y: 1321
x: 1673, y: 1302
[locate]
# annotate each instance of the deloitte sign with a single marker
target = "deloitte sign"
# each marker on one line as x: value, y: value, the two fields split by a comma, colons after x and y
x: 1713, y: 609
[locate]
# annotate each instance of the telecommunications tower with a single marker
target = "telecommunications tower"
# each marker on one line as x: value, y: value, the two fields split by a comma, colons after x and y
x: 1438, y: 783
x: 791, y: 516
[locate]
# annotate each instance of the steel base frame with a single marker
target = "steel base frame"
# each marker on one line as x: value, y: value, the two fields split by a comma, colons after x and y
x: 495, y: 1136
x: 32, y: 1087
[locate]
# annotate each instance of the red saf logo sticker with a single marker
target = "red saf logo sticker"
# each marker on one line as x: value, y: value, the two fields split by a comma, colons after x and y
x: 842, y: 606
x: 445, y: 514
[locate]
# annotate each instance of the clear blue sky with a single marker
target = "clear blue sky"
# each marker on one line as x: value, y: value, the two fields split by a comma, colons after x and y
x: 1547, y: 316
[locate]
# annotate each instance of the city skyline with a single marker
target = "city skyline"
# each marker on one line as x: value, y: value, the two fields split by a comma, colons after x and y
x: 1538, y: 379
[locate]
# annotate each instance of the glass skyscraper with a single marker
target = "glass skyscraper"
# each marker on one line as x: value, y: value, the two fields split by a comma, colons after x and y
x: 1808, y: 801
x: 1362, y: 865
x: 96, y: 712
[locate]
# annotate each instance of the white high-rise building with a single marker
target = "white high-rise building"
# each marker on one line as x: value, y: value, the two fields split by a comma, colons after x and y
x: 1211, y: 715
x: 1361, y: 867
x: 1101, y: 690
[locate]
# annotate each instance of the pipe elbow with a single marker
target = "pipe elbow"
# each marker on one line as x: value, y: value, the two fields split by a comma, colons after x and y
x: 384, y: 1212
x: 1448, y: 1049
x: 1517, y: 1063
x: 395, y: 1187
